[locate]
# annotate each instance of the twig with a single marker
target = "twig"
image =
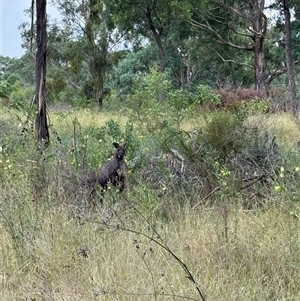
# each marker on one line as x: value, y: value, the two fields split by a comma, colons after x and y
x: 159, y: 241
x: 253, y: 181
x: 206, y: 197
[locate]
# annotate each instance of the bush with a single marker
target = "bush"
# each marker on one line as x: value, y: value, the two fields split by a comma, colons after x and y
x: 241, y: 97
x: 205, y: 95
x: 225, y: 133
x: 21, y: 97
x: 148, y: 104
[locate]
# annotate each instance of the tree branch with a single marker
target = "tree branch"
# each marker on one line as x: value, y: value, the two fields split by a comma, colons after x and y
x: 233, y: 61
x: 234, y: 10
x: 275, y: 74
x: 278, y: 72
x: 220, y: 38
x: 31, y: 25
x: 243, y: 34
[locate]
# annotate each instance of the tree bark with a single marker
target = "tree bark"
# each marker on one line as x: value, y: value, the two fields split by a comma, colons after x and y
x: 259, y: 29
x: 157, y: 38
x: 40, y: 72
x: 289, y: 58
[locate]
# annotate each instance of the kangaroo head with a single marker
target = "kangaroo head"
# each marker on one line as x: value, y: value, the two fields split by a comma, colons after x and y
x: 119, y: 150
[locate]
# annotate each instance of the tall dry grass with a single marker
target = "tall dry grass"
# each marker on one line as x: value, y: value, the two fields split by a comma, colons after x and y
x: 84, y: 117
x: 50, y: 252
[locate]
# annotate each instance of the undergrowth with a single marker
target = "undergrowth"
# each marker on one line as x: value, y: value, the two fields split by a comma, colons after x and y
x: 209, y: 213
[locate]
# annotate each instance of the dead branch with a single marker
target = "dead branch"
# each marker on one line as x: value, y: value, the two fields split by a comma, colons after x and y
x: 206, y: 197
x: 253, y: 181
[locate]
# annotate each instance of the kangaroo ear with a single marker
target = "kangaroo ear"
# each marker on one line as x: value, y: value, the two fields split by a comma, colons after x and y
x: 116, y: 144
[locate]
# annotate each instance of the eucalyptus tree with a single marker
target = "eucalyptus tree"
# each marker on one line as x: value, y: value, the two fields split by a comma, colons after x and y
x: 129, y: 66
x: 40, y: 71
x: 241, y: 25
x: 157, y: 22
x: 145, y: 19
x: 17, y: 69
x: 89, y: 42
x: 289, y: 56
x: 285, y: 47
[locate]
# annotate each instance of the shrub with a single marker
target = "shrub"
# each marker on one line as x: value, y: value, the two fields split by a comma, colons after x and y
x: 21, y: 96
x: 205, y: 95
x: 225, y: 133
x: 148, y: 106
x: 236, y: 99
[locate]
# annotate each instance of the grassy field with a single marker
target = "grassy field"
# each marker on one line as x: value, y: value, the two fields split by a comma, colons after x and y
x: 140, y: 245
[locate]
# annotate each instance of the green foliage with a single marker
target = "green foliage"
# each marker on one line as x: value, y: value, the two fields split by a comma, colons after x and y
x: 84, y: 57
x: 3, y: 90
x: 148, y: 103
x: 78, y: 52
x: 77, y: 101
x: 225, y: 133
x: 257, y: 105
x: 113, y: 130
x: 21, y: 96
x: 128, y: 69
x: 181, y: 99
x: 13, y: 70
x: 17, y: 95
x: 2, y: 95
x: 93, y: 145
x: 55, y: 86
x: 205, y: 94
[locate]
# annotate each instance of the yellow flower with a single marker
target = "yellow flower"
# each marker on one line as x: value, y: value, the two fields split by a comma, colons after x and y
x: 277, y: 188
x: 225, y: 173
x: 297, y: 168
x: 282, y: 169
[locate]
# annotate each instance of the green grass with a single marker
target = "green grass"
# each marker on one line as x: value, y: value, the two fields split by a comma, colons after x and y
x: 56, y: 246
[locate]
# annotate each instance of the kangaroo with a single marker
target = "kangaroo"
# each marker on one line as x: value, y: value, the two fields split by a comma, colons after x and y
x: 112, y: 172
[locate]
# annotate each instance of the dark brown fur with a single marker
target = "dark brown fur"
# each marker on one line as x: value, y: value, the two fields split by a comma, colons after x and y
x: 112, y: 172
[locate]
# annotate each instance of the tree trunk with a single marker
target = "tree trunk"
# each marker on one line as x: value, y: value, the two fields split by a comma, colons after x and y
x: 289, y: 58
x: 97, y: 52
x: 158, y: 41
x: 40, y: 71
x: 259, y: 31
x: 251, y: 13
